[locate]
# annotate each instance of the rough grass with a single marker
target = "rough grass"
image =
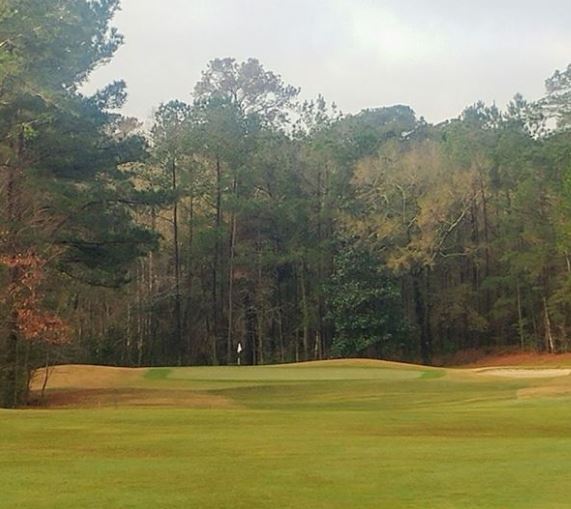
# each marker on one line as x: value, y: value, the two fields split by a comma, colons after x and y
x: 333, y: 435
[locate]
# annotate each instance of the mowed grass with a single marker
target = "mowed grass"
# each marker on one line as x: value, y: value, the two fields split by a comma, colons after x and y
x: 346, y: 434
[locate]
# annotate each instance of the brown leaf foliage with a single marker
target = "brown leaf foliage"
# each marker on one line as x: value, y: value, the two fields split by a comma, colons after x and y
x: 25, y: 299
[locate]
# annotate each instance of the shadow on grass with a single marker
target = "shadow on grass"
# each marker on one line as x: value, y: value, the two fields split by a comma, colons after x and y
x: 158, y: 373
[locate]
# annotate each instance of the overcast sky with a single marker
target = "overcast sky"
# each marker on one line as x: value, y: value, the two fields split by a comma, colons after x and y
x: 437, y: 56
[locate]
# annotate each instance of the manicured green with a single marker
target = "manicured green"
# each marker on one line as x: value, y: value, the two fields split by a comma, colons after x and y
x: 331, y: 436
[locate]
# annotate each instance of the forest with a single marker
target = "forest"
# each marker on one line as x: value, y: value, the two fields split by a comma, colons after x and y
x: 248, y: 216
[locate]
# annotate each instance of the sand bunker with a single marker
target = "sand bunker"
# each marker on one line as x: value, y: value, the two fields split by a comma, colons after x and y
x: 526, y: 373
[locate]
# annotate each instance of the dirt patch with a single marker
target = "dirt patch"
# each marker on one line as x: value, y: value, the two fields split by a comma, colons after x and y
x: 525, y: 373
x: 112, y: 398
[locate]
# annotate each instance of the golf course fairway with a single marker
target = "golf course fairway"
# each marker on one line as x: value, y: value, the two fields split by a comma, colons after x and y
x: 331, y: 435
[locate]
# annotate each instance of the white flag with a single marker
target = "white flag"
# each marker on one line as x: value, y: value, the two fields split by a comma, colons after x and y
x: 240, y: 348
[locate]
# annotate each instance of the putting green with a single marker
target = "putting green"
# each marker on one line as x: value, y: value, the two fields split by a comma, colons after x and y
x: 353, y: 434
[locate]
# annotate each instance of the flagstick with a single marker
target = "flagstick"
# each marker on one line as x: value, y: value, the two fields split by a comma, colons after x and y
x: 239, y: 352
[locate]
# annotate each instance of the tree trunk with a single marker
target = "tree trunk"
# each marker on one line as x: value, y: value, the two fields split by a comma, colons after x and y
x: 251, y: 319
x: 422, y: 315
x: 487, y: 254
x: 216, y: 307
x: 178, y: 347
x: 12, y: 378
x: 305, y: 312
x: 233, y: 235
x: 549, y: 342
x: 46, y: 376
x: 190, y: 278
x: 520, y: 318
x: 12, y: 384
x: 281, y: 339
x: 261, y: 307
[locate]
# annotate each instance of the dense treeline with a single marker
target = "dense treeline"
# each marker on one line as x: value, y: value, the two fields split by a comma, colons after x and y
x: 247, y: 217
x: 66, y: 218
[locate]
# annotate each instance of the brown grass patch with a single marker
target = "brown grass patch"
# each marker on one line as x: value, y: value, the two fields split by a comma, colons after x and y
x: 86, y: 377
x: 78, y: 386
x: 525, y: 373
x: 352, y: 363
x: 548, y: 391
x: 112, y: 398
x: 504, y: 357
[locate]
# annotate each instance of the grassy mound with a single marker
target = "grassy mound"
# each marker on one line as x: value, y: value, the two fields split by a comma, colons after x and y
x: 88, y: 386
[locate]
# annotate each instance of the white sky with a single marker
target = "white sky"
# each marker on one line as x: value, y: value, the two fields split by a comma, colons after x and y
x: 437, y: 56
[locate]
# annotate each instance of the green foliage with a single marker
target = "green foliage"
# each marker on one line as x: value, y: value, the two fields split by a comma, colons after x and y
x: 364, y: 305
x: 66, y: 198
x: 71, y: 152
x: 223, y: 226
x: 249, y: 87
x: 558, y: 101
